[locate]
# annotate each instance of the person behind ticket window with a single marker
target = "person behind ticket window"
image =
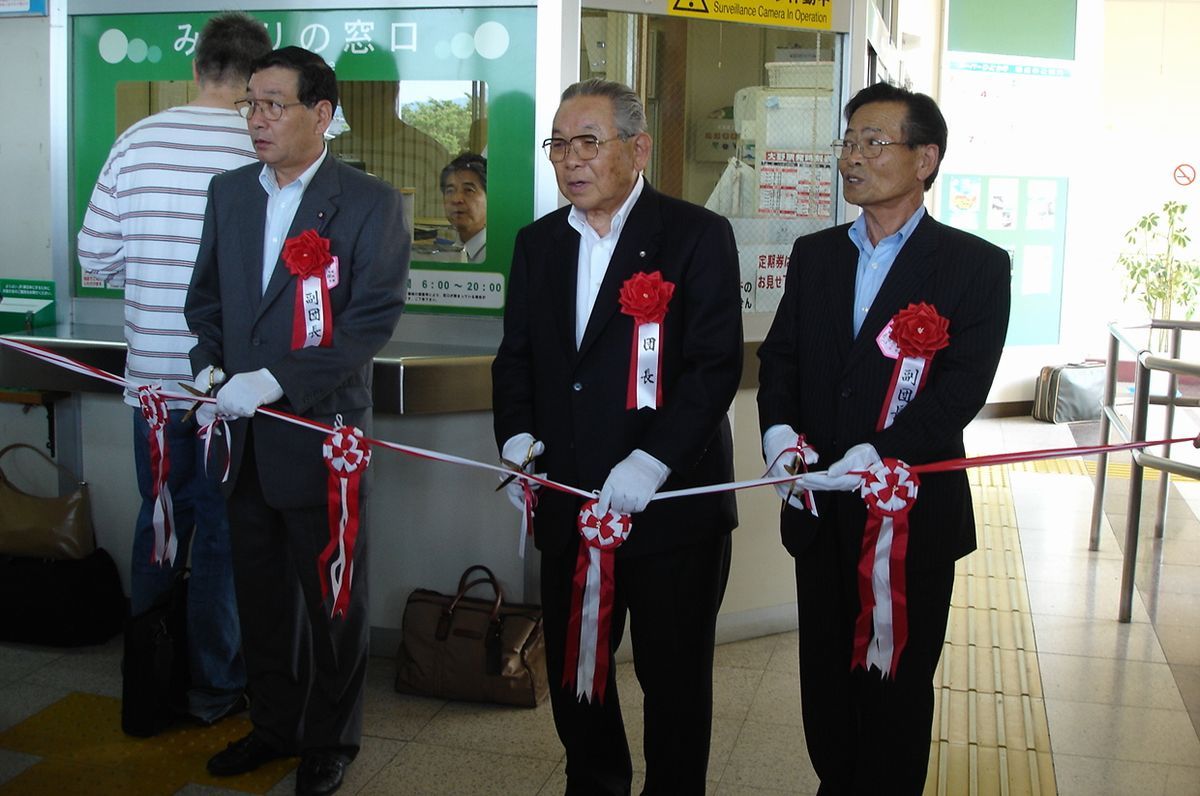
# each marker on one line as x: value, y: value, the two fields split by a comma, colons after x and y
x: 141, y: 232
x: 464, y: 194
x: 562, y: 381
x: 884, y: 346
x: 294, y: 320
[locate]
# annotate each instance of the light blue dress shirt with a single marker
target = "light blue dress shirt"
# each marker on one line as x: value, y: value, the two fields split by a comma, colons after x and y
x: 874, y: 262
x: 282, y: 204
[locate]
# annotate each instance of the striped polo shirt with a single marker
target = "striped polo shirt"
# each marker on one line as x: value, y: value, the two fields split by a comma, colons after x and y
x: 143, y: 224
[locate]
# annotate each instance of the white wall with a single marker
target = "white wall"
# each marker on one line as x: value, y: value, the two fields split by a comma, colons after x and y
x: 25, y: 148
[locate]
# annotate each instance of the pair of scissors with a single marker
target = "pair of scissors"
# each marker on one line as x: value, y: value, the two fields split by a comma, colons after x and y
x: 198, y: 404
x: 529, y: 457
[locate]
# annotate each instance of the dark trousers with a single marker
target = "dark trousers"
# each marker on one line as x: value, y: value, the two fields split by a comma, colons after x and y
x: 672, y: 599
x: 305, y: 671
x: 865, y: 734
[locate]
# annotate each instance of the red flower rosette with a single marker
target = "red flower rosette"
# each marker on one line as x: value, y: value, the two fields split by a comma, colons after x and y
x: 646, y: 296
x: 308, y: 257
x: 307, y: 254
x: 919, y: 331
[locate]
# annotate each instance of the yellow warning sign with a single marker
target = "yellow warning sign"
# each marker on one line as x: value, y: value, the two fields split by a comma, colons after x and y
x: 813, y: 14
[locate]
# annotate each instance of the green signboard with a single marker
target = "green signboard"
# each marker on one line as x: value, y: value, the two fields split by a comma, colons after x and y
x: 416, y: 73
x: 1027, y: 217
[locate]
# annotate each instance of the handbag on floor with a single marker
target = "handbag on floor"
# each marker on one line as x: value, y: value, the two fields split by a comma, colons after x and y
x: 45, y: 527
x: 154, y: 670
x: 67, y: 602
x: 480, y: 650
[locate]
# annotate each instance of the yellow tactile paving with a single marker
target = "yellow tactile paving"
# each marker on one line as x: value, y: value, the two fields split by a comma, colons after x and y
x: 83, y: 750
x: 990, y: 734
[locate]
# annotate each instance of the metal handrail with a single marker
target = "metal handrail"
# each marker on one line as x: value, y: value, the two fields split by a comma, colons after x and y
x: 1165, y: 465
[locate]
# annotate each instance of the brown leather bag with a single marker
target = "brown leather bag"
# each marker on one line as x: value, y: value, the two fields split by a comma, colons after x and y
x: 45, y: 527
x: 459, y: 647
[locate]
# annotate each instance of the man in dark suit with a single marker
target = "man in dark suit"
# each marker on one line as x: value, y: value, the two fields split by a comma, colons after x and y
x: 566, y: 397
x: 308, y: 353
x: 830, y: 370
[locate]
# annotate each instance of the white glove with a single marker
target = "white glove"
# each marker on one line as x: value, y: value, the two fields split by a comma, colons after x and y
x: 631, y: 484
x: 207, y: 379
x: 846, y: 473
x: 519, y: 449
x: 206, y: 414
x: 245, y: 392
x: 777, y: 439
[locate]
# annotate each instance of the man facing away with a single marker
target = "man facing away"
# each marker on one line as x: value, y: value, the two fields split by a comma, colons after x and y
x: 563, y: 385
x: 142, y: 231
x: 296, y: 326
x: 884, y: 346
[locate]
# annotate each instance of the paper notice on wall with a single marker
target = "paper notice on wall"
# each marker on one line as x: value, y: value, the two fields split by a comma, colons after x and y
x: 795, y: 183
x: 763, y: 268
x: 14, y: 6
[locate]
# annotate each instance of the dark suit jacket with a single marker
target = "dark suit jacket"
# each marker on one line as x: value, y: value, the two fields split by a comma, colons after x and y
x: 574, y: 401
x: 241, y: 328
x: 825, y: 383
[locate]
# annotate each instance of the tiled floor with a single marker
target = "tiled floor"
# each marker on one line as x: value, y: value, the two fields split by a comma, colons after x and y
x: 1122, y: 700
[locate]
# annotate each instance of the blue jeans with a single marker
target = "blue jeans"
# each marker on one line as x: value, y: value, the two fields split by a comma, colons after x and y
x: 214, y: 635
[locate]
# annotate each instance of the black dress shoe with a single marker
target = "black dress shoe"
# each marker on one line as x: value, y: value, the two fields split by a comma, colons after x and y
x: 241, y: 756
x: 321, y: 772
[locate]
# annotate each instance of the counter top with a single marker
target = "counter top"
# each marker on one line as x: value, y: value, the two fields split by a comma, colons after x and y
x: 411, y: 378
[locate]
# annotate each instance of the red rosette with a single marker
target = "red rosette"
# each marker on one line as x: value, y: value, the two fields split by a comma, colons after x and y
x: 307, y: 254
x: 603, y: 533
x: 919, y: 331
x: 890, y: 488
x: 646, y: 296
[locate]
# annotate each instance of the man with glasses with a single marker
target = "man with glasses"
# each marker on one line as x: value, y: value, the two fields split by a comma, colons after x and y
x: 295, y: 326
x: 573, y: 398
x: 142, y: 231
x: 884, y: 346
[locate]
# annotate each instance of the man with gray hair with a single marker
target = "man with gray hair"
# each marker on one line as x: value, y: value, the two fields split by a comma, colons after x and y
x: 621, y: 354
x: 142, y: 232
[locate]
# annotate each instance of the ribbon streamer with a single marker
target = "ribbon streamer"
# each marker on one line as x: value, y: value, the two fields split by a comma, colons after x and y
x: 154, y: 410
x: 313, y: 324
x: 347, y: 455
x: 948, y: 465
x: 592, y: 589
x: 889, y: 491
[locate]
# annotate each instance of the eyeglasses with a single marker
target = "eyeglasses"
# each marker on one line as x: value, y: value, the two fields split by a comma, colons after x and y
x: 585, y: 147
x: 271, y: 110
x: 871, y: 148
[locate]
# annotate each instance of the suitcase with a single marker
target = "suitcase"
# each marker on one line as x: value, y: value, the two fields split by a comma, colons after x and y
x: 1069, y: 393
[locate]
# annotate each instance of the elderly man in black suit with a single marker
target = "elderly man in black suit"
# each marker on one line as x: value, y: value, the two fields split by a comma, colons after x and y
x: 625, y: 270
x: 884, y: 345
x: 300, y: 220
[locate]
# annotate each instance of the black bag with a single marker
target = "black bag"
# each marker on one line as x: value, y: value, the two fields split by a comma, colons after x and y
x: 68, y: 602
x: 1067, y: 393
x: 154, y: 672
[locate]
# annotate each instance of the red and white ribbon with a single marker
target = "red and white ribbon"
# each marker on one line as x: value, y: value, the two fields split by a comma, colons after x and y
x: 218, y: 427
x: 587, y: 659
x: 526, y: 515
x: 154, y: 409
x: 313, y: 324
x: 347, y: 455
x: 881, y: 629
x: 645, y: 367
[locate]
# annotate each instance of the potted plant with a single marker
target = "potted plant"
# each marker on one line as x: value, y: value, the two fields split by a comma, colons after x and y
x: 1156, y: 270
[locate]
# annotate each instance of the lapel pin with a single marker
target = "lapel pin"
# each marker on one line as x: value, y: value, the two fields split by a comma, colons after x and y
x: 641, y: 254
